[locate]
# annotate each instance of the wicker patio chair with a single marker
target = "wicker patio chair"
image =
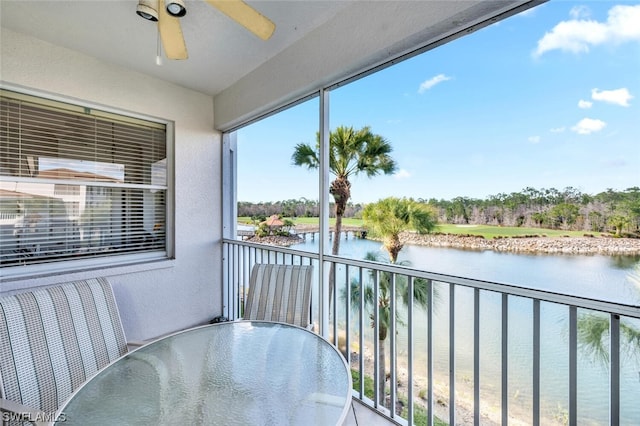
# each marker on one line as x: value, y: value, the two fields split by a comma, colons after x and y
x: 280, y: 293
x: 52, y: 340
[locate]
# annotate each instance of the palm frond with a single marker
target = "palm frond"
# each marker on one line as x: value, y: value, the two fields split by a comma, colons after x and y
x: 375, y: 155
x: 593, y: 331
x: 356, y: 288
x: 420, y: 293
x: 593, y: 337
x: 632, y: 338
x: 304, y: 155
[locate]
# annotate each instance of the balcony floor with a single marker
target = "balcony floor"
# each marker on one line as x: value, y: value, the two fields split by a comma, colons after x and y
x: 362, y: 415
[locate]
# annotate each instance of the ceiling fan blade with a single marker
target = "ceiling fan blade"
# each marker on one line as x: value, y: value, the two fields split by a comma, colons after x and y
x: 246, y: 16
x: 171, y: 34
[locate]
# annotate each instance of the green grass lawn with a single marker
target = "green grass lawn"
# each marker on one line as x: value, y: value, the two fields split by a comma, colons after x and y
x: 314, y: 221
x: 487, y: 231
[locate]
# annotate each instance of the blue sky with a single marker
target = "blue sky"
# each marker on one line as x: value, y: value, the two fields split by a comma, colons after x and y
x: 548, y: 98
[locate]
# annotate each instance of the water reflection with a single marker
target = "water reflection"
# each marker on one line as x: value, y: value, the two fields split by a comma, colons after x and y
x: 624, y: 262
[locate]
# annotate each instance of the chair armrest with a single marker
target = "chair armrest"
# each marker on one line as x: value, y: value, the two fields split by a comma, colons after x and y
x: 136, y: 344
x: 309, y: 327
x: 25, y: 413
x: 133, y: 344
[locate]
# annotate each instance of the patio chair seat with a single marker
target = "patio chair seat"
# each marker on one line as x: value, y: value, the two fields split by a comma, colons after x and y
x: 280, y: 293
x: 53, y: 340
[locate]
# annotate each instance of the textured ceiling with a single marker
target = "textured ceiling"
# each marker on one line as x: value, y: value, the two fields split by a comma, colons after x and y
x: 220, y: 50
x: 223, y: 54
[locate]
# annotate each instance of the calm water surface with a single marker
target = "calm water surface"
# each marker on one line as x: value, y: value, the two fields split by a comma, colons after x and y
x: 608, y: 278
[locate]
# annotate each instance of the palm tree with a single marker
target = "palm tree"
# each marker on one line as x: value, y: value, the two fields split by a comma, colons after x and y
x: 420, y: 299
x: 388, y: 217
x: 351, y: 152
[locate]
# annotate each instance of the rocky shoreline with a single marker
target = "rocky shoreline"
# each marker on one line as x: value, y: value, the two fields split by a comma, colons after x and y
x: 605, y: 245
x: 277, y: 240
x: 530, y: 245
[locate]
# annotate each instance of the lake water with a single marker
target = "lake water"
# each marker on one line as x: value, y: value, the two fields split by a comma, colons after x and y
x: 608, y: 278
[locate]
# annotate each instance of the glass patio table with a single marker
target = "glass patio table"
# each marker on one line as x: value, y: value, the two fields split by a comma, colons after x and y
x: 234, y: 373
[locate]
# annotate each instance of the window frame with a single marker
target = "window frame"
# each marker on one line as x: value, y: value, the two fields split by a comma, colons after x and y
x: 153, y: 258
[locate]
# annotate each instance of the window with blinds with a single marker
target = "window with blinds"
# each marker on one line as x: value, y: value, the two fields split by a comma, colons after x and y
x: 78, y: 183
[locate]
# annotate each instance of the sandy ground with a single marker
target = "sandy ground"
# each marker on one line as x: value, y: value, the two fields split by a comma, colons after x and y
x: 490, y: 414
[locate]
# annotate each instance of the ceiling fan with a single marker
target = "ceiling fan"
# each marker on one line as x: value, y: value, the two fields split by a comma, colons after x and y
x: 168, y: 12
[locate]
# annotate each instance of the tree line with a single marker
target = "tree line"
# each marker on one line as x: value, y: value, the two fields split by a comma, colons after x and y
x: 302, y: 207
x: 549, y: 208
x: 567, y: 209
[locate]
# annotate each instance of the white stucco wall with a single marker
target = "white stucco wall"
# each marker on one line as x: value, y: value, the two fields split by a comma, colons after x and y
x: 163, y: 296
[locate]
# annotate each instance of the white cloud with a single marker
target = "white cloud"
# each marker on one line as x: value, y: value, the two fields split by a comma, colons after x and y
x: 578, y: 34
x: 402, y: 174
x: 584, y: 104
x: 534, y: 139
x: 428, y: 84
x: 619, y: 96
x: 578, y: 12
x: 558, y: 129
x: 588, y: 125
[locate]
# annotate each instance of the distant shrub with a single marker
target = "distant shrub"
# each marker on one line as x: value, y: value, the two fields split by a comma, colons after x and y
x: 263, y: 230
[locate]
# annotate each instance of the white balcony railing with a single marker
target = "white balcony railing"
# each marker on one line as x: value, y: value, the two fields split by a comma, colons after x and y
x: 416, y: 336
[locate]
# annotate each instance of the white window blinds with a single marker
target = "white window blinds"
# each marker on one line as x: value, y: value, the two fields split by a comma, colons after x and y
x: 77, y: 182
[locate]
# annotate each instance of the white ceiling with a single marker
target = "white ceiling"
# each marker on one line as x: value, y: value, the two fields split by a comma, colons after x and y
x: 315, y: 42
x: 220, y: 50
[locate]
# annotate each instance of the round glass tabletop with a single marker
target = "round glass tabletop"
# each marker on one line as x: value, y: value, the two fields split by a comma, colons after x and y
x: 235, y: 373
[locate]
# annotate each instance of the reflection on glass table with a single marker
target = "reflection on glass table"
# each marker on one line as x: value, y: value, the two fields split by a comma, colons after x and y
x: 235, y: 373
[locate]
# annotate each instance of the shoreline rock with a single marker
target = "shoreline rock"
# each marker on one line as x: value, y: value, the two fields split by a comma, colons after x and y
x: 587, y: 245
x: 277, y: 240
x: 530, y: 245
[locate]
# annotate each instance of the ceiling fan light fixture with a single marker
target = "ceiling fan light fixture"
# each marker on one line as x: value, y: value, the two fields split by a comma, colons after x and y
x: 147, y: 10
x: 176, y: 8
